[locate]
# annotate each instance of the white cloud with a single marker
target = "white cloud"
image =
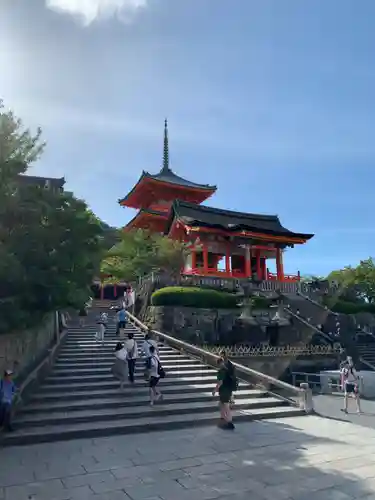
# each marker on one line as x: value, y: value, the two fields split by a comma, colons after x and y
x: 88, y: 11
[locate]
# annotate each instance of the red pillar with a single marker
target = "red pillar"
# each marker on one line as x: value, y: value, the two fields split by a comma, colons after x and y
x: 264, y: 269
x: 227, y: 259
x: 205, y: 259
x: 193, y: 258
x: 279, y: 265
x: 259, y: 269
x: 247, y: 262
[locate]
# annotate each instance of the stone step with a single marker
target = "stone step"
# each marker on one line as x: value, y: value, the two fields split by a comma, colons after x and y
x: 43, y: 434
x: 136, y: 412
x: 169, y: 364
x: 81, y: 361
x: 113, y: 390
x: 120, y: 398
x: 113, y: 384
x: 71, y: 379
x: 139, y: 368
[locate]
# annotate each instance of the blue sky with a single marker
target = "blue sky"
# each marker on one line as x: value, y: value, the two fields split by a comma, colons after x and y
x: 272, y: 100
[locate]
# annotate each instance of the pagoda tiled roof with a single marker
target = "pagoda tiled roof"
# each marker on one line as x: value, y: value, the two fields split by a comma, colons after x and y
x: 200, y: 215
x: 34, y: 180
x: 168, y: 176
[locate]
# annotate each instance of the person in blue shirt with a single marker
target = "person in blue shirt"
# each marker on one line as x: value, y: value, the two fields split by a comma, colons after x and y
x: 7, y: 392
x: 121, y: 320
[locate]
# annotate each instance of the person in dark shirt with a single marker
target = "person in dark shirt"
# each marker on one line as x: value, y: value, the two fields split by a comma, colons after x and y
x: 226, y: 385
x: 7, y: 392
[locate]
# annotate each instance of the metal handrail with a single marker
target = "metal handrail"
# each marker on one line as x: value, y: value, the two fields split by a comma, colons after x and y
x: 201, y: 353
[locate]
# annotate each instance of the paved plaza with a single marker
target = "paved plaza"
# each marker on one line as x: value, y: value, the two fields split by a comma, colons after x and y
x: 295, y: 458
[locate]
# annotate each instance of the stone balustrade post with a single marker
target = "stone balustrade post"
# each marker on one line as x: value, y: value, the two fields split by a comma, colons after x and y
x: 306, y: 398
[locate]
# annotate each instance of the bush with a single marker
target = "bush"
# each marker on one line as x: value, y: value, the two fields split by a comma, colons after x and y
x: 193, y: 297
x: 344, y: 307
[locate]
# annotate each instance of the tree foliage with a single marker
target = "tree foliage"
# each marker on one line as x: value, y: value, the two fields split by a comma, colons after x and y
x: 139, y: 253
x: 357, y: 283
x: 50, y: 243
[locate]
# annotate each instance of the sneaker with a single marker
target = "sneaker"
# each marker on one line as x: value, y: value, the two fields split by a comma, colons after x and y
x: 151, y: 403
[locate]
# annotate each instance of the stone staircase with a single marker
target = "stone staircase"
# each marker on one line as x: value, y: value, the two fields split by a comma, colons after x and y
x: 310, y: 313
x: 81, y: 399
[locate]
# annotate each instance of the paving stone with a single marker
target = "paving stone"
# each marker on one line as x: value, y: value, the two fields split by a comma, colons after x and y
x: 207, y: 469
x: 181, y: 463
x: 112, y: 463
x: 87, y: 479
x: 58, y: 471
x: 46, y: 490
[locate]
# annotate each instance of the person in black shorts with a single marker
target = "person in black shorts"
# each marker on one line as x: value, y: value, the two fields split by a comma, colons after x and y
x: 82, y: 317
x: 226, y: 385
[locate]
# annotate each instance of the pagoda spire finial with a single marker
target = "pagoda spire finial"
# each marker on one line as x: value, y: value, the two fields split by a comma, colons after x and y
x: 165, y: 167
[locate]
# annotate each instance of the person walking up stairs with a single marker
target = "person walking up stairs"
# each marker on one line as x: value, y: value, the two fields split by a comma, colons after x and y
x: 81, y: 398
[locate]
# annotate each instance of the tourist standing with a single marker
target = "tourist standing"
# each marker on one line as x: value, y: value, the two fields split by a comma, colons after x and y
x: 226, y: 385
x: 121, y: 321
x: 156, y: 373
x: 82, y: 317
x: 120, y: 367
x: 102, y: 322
x: 7, y: 392
x: 132, y: 354
x: 350, y: 380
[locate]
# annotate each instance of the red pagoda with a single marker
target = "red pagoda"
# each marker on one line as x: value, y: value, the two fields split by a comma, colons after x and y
x: 222, y: 243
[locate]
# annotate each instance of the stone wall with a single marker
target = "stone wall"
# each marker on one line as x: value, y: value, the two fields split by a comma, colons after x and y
x: 196, y: 326
x: 23, y: 351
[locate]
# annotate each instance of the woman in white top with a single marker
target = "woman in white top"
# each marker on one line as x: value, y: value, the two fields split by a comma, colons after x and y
x: 132, y: 354
x: 153, y: 366
x: 148, y: 342
x: 120, y: 368
x: 350, y: 381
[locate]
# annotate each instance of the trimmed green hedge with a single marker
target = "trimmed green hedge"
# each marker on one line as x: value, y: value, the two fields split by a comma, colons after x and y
x: 345, y: 307
x: 193, y: 297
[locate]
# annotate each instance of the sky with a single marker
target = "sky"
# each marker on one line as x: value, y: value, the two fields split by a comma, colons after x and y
x: 270, y: 100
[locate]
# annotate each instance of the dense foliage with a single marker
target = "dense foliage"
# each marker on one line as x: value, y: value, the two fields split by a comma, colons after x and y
x: 193, y: 297
x: 356, y: 284
x: 50, y: 243
x: 140, y: 252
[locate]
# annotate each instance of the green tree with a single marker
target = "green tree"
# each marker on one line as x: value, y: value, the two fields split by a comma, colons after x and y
x: 51, y: 245
x: 357, y: 283
x: 140, y: 252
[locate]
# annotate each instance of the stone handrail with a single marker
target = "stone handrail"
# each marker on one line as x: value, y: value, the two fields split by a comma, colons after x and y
x: 307, y: 323
x: 266, y: 350
x: 302, y: 394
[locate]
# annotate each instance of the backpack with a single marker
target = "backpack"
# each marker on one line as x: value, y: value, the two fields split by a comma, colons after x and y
x: 161, y: 371
x: 230, y: 379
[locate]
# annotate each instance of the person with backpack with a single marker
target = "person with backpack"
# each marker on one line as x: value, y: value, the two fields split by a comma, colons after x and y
x: 226, y: 385
x: 7, y: 393
x: 350, y: 380
x: 147, y: 344
x: 132, y: 354
x: 156, y: 372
